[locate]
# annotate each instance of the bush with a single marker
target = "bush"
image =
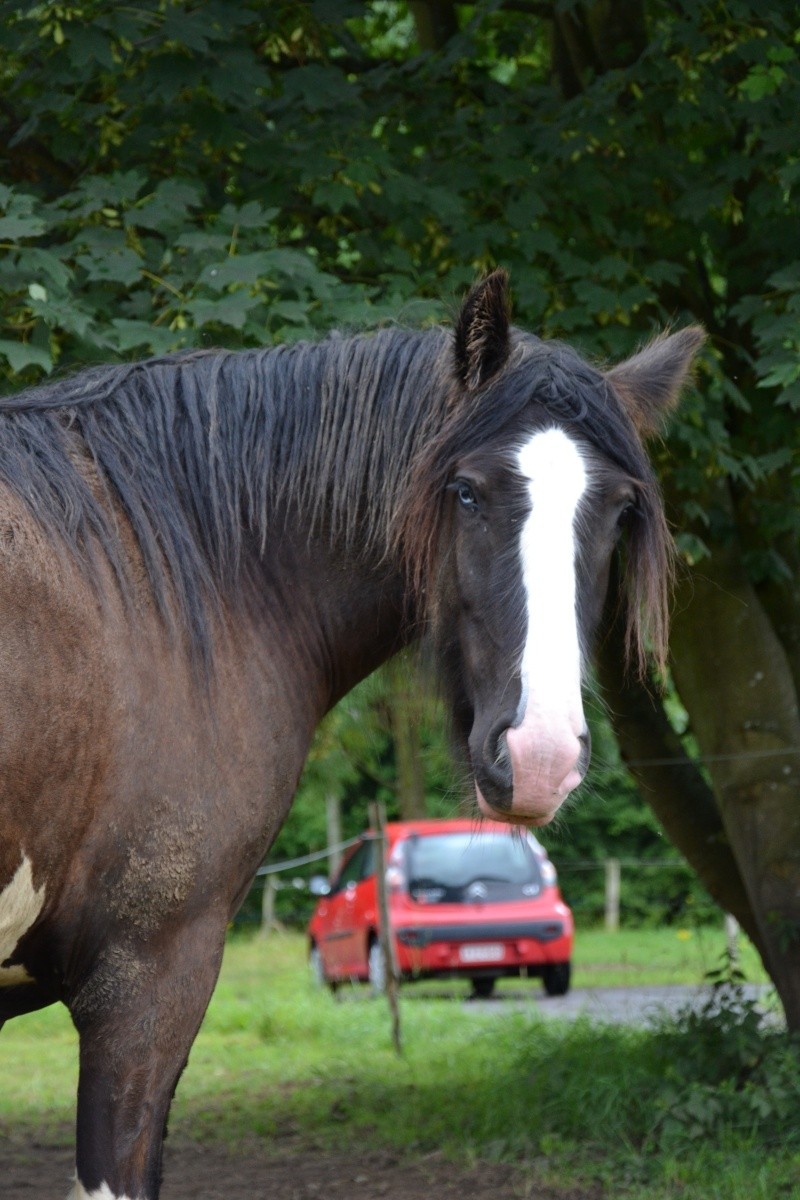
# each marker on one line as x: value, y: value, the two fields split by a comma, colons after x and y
x: 729, y: 1070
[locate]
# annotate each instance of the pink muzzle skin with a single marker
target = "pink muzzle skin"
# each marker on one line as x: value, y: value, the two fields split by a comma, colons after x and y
x: 544, y: 763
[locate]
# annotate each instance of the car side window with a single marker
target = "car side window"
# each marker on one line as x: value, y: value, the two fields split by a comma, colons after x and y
x: 352, y: 871
x: 359, y: 866
x: 368, y: 866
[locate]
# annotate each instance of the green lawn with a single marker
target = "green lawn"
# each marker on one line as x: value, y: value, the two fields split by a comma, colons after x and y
x: 655, y: 956
x: 574, y: 1102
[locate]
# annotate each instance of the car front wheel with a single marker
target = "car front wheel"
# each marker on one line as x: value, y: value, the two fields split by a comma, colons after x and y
x: 316, y: 969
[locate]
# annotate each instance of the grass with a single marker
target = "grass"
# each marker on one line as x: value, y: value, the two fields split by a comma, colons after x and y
x: 641, y: 957
x: 577, y: 1104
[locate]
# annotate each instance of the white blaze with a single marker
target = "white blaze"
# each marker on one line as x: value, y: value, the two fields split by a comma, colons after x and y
x: 551, y: 660
x: 20, y: 905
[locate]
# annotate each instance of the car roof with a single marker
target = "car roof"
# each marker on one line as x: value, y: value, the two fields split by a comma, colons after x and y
x: 425, y: 827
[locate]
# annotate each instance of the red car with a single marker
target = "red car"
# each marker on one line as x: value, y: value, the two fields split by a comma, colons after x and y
x: 464, y: 900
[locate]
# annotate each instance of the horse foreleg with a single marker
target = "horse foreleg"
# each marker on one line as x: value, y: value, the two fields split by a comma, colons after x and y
x: 137, y: 1016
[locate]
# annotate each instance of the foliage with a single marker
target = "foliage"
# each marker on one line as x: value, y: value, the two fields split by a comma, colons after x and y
x: 240, y: 173
x: 726, y: 1070
x: 175, y: 180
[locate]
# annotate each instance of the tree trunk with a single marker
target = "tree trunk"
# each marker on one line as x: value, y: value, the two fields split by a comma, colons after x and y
x: 405, y: 709
x: 589, y: 40
x: 735, y: 681
x: 436, y: 22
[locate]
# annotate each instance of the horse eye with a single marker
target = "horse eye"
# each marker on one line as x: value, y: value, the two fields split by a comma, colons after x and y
x: 466, y: 495
x: 626, y: 516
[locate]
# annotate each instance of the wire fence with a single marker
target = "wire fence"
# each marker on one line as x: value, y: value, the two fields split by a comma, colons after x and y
x: 289, y: 864
x: 602, y: 900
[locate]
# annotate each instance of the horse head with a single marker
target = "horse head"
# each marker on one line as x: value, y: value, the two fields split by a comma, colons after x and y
x: 536, y: 478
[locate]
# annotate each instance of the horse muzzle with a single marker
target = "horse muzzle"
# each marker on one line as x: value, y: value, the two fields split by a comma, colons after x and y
x: 524, y: 774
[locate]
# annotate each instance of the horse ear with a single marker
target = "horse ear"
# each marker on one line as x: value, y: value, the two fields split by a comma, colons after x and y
x: 650, y: 383
x: 482, y: 337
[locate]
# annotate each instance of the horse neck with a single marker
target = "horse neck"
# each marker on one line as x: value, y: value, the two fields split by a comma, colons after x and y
x: 342, y: 617
x: 364, y: 408
x: 353, y: 414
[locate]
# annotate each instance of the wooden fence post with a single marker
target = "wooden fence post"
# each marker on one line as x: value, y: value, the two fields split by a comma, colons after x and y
x: 378, y: 821
x: 612, y: 893
x: 268, y: 906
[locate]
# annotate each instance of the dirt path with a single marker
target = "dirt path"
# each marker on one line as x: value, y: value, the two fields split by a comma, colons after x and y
x: 200, y: 1172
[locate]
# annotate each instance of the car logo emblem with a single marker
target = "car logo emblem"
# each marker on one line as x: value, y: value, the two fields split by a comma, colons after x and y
x: 477, y: 892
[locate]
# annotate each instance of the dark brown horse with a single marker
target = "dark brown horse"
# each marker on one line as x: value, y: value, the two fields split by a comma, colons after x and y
x: 199, y: 555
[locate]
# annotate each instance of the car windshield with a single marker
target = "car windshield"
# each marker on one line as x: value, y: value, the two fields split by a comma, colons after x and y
x: 471, y: 866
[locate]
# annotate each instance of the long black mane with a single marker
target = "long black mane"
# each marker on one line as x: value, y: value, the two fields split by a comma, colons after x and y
x: 206, y: 453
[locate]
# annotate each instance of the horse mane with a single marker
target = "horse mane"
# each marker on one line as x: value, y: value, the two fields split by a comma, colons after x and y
x: 207, y: 451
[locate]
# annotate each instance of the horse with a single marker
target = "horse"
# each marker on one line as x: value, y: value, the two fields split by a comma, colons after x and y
x: 201, y: 553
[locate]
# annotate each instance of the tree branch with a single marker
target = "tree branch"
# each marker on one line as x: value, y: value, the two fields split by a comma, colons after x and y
x: 436, y: 22
x: 532, y: 8
x: 676, y: 791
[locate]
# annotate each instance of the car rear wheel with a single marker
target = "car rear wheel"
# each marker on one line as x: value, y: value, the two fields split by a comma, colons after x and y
x: 483, y: 986
x: 556, y: 978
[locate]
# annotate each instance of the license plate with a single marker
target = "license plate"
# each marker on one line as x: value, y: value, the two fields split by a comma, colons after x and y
x: 482, y: 952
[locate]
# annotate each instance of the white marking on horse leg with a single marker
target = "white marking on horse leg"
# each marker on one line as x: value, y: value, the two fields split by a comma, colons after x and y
x: 103, y: 1193
x: 20, y: 905
x: 544, y: 744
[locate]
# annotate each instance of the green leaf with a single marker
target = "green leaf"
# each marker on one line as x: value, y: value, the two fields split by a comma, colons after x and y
x: 167, y: 207
x: 14, y: 227
x: 118, y: 264
x: 247, y: 216
x: 691, y: 548
x: 20, y: 220
x: 126, y: 335
x: 762, y: 81
x: 22, y: 354
x: 236, y: 269
x: 232, y: 309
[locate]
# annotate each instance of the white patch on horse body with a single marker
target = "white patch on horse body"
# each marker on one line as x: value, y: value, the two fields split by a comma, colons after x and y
x: 557, y: 476
x: 20, y: 905
x: 103, y: 1193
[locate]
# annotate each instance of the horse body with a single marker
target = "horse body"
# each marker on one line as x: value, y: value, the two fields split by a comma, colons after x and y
x: 164, y: 668
x: 143, y: 807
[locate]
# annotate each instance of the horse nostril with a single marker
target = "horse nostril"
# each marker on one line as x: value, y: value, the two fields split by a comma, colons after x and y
x: 497, y: 758
x: 585, y: 739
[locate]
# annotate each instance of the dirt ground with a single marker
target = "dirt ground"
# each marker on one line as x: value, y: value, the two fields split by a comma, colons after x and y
x: 42, y: 1171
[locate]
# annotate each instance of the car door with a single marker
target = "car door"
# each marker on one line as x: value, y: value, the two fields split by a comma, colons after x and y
x: 358, y: 912
x: 335, y: 949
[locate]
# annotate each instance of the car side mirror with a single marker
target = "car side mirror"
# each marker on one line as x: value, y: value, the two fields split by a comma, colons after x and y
x: 319, y: 885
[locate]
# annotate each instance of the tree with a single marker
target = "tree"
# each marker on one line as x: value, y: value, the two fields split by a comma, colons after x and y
x: 178, y: 173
